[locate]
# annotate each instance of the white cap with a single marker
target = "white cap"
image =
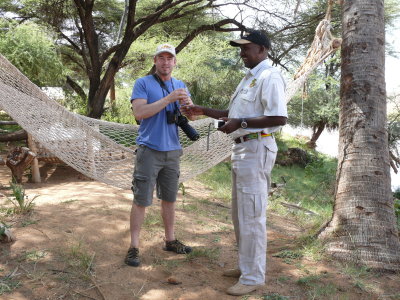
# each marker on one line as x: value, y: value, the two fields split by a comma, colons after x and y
x: 165, y: 48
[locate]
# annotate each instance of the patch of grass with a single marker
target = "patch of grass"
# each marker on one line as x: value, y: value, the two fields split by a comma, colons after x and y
x: 288, y: 254
x: 208, y: 209
x: 219, y: 180
x: 311, y: 187
x: 210, y: 253
x: 357, y: 275
x: 22, y: 203
x: 6, y: 211
x: 355, y: 271
x: 192, y: 207
x: 312, y: 248
x: 167, y: 263
x: 322, y: 291
x: 216, y: 239
x: 8, y: 283
x: 308, y: 280
x: 33, y: 255
x: 80, y: 260
x: 274, y: 296
x: 26, y: 223
x: 152, y: 220
x: 283, y: 279
x: 315, y: 288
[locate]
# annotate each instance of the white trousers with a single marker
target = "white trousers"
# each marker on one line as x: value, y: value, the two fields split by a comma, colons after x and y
x: 252, y: 162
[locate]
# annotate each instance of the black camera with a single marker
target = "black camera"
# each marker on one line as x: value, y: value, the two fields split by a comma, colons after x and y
x: 218, y: 123
x: 180, y: 120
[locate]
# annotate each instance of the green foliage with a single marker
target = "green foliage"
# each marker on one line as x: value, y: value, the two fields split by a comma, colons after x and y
x: 74, y: 103
x: 209, y: 67
x: 31, y: 49
x: 22, y: 203
x: 393, y: 126
x: 288, y: 256
x: 320, y: 104
x: 396, y: 195
x: 121, y: 111
x: 311, y: 187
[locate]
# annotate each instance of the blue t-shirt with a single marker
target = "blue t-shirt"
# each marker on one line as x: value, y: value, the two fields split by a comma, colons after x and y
x: 155, y: 132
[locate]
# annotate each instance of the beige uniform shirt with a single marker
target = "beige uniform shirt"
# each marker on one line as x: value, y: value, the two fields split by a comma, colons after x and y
x: 260, y: 93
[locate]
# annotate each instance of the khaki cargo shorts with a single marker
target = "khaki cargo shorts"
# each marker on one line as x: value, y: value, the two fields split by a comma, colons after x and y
x: 152, y: 168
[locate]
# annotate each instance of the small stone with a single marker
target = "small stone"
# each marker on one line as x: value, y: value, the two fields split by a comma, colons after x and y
x: 173, y: 280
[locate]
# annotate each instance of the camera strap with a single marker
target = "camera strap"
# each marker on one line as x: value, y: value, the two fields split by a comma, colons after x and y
x: 162, y: 83
x: 164, y: 87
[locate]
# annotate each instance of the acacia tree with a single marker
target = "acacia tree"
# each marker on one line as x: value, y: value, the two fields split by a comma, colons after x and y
x: 317, y: 107
x: 88, y: 30
x: 30, y: 48
x: 363, y: 226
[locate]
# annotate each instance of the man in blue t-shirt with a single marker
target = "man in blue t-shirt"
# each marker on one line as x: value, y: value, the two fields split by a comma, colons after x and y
x: 154, y: 100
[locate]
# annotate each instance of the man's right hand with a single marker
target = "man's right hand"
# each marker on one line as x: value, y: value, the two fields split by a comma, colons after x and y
x: 177, y: 95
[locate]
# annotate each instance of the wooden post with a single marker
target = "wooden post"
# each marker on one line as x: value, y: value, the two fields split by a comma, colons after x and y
x: 35, y: 163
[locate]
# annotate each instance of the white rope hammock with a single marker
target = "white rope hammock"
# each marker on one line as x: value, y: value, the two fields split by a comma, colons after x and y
x: 103, y: 150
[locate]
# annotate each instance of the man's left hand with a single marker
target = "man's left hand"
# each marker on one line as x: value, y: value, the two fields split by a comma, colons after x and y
x: 230, y: 125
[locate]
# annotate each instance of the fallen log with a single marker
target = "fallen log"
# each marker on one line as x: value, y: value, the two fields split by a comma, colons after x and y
x: 18, y: 135
x: 8, y: 123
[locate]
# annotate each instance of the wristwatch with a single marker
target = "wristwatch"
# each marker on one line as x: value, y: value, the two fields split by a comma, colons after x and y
x: 243, y: 124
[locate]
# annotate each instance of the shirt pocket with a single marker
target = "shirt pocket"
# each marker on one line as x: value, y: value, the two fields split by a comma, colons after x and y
x: 248, y: 94
x: 247, y: 102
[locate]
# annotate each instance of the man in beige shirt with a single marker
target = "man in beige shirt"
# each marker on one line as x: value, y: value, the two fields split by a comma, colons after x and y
x: 257, y: 109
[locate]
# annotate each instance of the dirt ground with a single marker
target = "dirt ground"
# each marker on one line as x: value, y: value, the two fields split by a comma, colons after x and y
x: 72, y: 246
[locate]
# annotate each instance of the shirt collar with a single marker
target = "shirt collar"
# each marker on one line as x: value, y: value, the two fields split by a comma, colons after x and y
x: 261, y: 66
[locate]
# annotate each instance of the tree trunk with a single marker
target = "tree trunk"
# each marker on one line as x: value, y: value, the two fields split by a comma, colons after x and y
x: 112, y: 94
x: 363, y: 226
x: 317, y: 131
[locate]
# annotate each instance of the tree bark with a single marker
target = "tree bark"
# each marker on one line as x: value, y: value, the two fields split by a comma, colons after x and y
x: 363, y: 226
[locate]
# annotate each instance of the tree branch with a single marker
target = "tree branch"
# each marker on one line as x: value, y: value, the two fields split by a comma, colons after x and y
x: 76, y: 87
